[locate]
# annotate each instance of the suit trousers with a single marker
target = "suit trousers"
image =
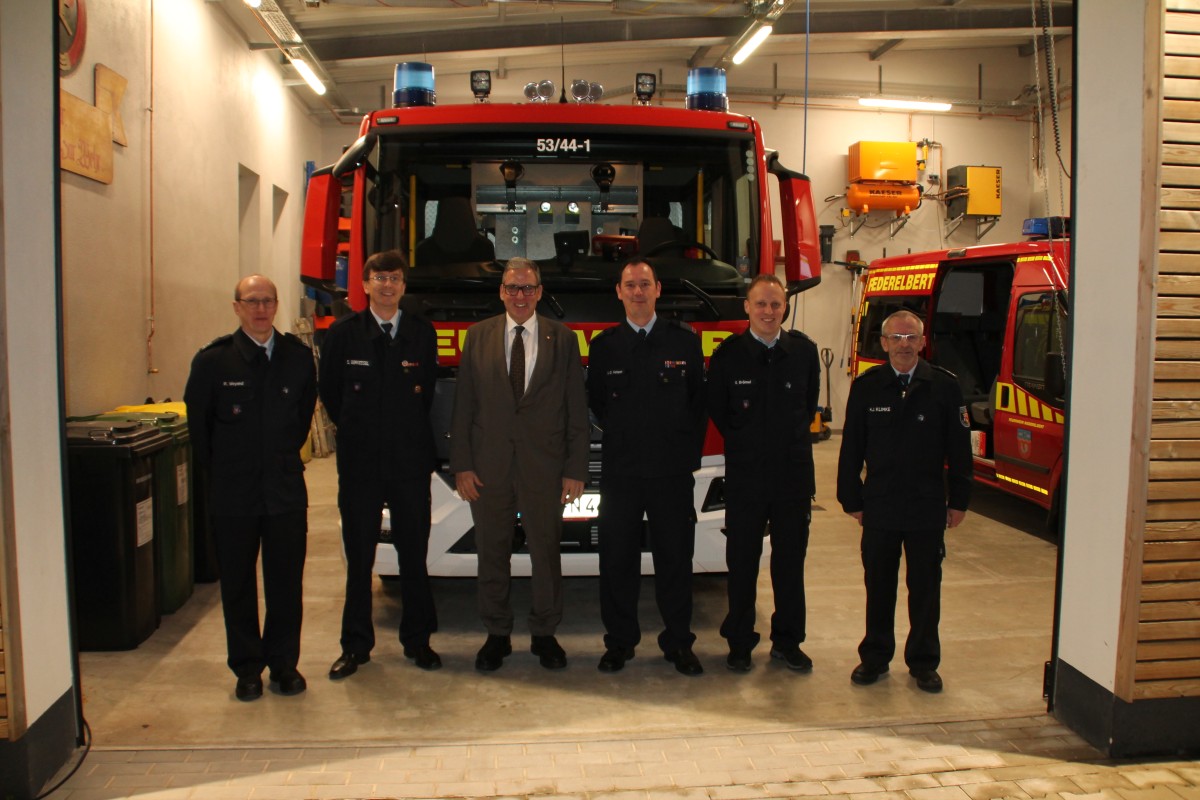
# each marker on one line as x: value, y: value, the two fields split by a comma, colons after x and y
x: 362, y: 508
x: 667, y: 505
x: 495, y: 515
x: 751, y: 505
x: 283, y: 539
x: 923, y: 554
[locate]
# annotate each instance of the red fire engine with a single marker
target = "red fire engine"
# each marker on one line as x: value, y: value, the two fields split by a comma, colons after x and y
x: 995, y: 316
x: 577, y: 187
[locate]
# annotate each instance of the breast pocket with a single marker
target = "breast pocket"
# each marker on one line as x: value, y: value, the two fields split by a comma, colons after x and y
x: 233, y: 402
x: 742, y: 403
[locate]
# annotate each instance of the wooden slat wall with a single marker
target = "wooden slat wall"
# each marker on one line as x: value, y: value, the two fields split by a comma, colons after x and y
x: 1168, y: 627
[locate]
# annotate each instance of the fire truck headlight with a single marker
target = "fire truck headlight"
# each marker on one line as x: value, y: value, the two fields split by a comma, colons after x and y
x: 580, y: 89
x: 531, y: 91
x: 545, y: 91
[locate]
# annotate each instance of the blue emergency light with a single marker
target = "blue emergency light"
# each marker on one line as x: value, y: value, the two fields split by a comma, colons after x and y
x: 1045, y: 227
x: 706, y: 89
x: 414, y: 85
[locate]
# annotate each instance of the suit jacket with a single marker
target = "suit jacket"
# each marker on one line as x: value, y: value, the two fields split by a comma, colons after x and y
x: 536, y: 442
x: 248, y: 418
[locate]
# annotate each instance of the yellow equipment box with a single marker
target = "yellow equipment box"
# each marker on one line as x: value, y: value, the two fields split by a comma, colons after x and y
x: 983, y: 189
x: 883, y: 161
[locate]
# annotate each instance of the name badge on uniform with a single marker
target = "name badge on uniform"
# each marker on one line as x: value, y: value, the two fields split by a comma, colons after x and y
x: 615, y: 372
x: 355, y: 362
x: 233, y: 383
x: 879, y: 410
x: 408, y: 364
x: 743, y: 382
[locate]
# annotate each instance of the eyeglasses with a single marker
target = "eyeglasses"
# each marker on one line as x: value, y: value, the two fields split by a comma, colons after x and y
x: 511, y: 289
x: 258, y: 302
x: 381, y: 278
x: 896, y: 338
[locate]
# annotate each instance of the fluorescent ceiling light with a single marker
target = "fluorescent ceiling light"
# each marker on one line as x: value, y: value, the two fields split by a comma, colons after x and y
x: 253, y: 3
x: 906, y: 105
x: 752, y: 44
x: 309, y: 76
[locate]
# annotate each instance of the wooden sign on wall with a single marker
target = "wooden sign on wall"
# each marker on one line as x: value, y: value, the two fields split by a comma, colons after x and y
x: 87, y: 132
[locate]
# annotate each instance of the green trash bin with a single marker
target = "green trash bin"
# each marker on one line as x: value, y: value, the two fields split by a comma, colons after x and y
x: 173, y: 493
x: 110, y: 466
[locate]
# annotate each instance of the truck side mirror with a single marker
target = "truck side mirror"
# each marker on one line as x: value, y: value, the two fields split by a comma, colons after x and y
x: 1056, y: 382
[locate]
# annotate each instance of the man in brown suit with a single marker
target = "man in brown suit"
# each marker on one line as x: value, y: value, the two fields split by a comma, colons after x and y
x: 519, y: 443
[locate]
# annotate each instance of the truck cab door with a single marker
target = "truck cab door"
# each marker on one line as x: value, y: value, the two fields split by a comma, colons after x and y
x: 1029, y: 406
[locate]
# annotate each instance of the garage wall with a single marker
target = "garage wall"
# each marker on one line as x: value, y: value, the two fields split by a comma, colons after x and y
x: 209, y: 188
x: 965, y: 137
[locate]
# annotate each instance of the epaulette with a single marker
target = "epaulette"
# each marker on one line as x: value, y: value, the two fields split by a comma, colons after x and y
x: 217, y: 341
x: 801, y: 335
x: 945, y: 371
x: 609, y: 331
x: 678, y: 323
x: 292, y: 338
x: 344, y: 319
x: 876, y: 369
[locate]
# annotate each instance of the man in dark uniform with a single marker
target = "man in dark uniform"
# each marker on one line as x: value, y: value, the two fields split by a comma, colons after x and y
x: 378, y: 373
x: 250, y: 399
x: 646, y: 388
x: 763, y: 386
x: 907, y: 421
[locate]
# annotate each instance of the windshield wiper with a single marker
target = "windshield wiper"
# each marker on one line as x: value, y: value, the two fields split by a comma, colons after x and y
x: 703, y: 296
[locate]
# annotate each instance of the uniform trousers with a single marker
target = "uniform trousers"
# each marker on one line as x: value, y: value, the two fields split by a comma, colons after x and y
x: 668, y: 507
x: 362, y: 509
x: 283, y: 539
x: 751, y: 506
x: 494, y: 515
x: 923, y: 554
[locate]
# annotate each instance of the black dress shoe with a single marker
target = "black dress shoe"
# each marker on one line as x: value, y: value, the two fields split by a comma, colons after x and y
x: 927, y: 680
x: 249, y: 687
x: 794, y: 657
x: 865, y: 674
x: 685, y: 661
x: 423, y: 656
x: 492, y: 654
x: 739, y: 660
x: 549, y: 652
x: 614, y: 659
x: 289, y: 682
x: 347, y: 664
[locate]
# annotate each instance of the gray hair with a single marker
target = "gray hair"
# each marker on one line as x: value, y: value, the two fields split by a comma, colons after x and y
x: 904, y: 312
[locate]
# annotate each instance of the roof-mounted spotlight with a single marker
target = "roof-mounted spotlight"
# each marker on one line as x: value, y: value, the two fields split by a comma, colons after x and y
x: 539, y: 92
x: 644, y: 86
x: 586, y: 91
x: 481, y: 84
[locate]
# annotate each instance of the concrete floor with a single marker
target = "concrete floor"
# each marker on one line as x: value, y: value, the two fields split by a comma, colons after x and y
x: 174, y: 691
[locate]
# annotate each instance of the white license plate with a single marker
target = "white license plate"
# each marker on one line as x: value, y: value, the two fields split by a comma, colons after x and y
x: 584, y: 507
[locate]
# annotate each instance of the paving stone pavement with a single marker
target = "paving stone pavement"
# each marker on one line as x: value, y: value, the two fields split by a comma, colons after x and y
x: 1022, y: 758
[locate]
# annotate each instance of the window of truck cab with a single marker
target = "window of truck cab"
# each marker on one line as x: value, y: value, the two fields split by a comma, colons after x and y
x: 577, y: 212
x: 1037, y: 332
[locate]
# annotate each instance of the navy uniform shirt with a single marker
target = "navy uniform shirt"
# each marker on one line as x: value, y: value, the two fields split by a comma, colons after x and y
x: 916, y: 444
x: 763, y: 400
x: 248, y: 417
x: 379, y: 390
x: 648, y: 397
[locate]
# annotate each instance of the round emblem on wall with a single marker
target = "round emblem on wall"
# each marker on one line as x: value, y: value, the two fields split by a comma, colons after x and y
x: 72, y: 34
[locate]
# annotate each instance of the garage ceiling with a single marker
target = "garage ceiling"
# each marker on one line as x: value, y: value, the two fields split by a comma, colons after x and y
x: 355, y: 44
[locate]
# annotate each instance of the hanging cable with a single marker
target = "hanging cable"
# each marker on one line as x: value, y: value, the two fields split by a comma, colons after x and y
x: 807, y: 43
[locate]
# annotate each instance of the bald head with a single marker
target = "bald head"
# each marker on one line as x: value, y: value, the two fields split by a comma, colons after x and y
x: 255, y: 301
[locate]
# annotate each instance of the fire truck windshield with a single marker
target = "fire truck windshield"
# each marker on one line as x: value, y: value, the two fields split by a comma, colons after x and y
x: 460, y: 202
